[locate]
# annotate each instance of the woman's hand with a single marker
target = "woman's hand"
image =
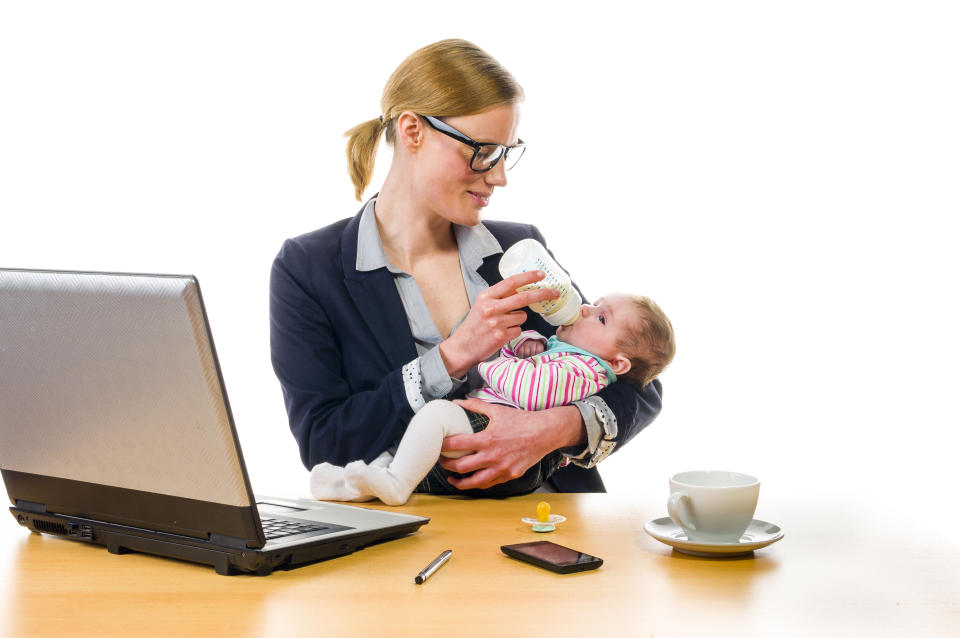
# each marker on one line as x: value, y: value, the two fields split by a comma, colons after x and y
x: 511, y: 443
x: 493, y: 320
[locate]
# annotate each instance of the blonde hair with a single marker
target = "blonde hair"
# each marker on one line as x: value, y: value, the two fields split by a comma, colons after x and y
x: 443, y: 79
x: 649, y: 342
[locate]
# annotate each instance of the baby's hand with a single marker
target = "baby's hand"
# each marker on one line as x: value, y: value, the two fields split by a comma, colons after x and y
x: 530, y: 348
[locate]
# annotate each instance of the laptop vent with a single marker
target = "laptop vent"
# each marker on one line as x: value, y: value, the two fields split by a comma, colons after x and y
x: 50, y: 527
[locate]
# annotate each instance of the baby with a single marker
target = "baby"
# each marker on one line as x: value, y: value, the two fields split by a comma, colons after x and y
x: 621, y: 337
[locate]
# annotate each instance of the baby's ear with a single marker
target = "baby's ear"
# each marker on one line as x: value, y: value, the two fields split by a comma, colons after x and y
x: 620, y: 365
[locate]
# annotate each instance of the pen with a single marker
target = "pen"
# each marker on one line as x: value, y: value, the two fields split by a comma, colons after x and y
x: 433, y: 566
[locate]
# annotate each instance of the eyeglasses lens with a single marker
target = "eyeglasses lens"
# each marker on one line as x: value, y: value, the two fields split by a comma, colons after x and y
x: 488, y: 156
x: 513, y: 156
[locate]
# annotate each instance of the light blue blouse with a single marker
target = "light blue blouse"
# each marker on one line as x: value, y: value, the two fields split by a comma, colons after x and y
x: 425, y: 378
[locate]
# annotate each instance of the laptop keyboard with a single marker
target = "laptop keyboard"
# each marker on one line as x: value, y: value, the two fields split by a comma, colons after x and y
x: 276, y: 528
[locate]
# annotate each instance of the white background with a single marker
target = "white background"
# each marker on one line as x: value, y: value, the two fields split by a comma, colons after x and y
x: 782, y: 178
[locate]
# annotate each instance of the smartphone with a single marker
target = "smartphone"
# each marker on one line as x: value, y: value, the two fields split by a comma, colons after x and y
x: 556, y: 558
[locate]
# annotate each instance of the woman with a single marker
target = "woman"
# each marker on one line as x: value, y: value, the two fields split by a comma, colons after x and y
x: 375, y: 315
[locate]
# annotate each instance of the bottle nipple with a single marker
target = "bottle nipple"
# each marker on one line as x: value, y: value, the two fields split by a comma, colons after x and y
x: 577, y: 317
x: 567, y: 310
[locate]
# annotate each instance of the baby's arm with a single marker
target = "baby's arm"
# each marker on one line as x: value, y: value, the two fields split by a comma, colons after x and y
x: 529, y: 343
x: 530, y: 348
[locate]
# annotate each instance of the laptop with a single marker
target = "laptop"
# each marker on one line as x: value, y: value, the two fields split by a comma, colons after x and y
x: 115, y: 429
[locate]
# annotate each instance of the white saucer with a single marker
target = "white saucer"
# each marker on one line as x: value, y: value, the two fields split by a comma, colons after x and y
x: 759, y: 534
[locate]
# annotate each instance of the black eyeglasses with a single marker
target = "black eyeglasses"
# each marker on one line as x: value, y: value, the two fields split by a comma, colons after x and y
x: 485, y: 155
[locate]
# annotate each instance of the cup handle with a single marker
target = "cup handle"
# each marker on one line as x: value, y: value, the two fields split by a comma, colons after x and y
x: 678, y: 506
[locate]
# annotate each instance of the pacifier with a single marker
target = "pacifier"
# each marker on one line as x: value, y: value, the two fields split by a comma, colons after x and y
x: 545, y: 521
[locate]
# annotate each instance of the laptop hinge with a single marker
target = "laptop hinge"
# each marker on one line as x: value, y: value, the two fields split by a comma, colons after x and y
x: 228, y: 541
x: 27, y: 506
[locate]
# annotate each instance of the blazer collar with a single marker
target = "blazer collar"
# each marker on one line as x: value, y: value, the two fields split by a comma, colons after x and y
x: 474, y: 243
x: 374, y: 292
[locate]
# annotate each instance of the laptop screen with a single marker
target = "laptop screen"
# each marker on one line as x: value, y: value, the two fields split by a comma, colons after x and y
x: 112, y: 380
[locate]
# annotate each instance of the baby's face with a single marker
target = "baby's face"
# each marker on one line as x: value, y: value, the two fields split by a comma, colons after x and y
x: 601, y: 326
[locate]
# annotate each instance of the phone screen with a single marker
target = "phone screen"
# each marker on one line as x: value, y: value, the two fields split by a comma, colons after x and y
x: 552, y: 556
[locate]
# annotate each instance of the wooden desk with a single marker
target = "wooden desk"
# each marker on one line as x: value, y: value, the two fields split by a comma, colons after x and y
x: 834, y: 574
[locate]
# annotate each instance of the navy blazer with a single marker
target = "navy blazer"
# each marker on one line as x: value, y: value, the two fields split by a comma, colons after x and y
x: 339, y: 338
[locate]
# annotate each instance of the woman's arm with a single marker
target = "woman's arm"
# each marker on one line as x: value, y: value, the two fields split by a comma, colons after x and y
x: 516, y: 439
x: 494, y: 320
x: 617, y: 413
x: 347, y: 407
x: 620, y: 411
x: 511, y: 443
x: 588, y: 431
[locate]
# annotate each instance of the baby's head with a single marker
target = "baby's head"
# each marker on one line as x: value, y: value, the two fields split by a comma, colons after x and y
x: 629, y: 332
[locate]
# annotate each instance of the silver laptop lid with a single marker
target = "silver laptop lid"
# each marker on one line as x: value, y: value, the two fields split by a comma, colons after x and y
x: 111, y: 379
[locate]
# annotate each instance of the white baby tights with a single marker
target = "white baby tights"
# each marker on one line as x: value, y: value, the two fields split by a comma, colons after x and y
x: 393, y: 478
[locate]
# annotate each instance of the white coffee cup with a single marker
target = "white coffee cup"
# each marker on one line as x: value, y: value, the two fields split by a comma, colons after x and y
x: 713, y: 506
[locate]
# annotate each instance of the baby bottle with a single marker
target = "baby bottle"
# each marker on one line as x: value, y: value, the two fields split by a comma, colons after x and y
x: 529, y: 254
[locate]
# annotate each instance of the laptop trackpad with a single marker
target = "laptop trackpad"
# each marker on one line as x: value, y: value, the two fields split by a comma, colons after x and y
x: 275, y: 508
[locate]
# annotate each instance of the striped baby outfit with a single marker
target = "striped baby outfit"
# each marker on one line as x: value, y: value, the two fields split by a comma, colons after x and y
x: 557, y: 376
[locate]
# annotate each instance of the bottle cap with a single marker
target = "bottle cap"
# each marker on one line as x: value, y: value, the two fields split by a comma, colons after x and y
x: 568, y: 313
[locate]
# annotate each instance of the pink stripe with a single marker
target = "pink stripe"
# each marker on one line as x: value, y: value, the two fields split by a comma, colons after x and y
x: 503, y: 377
x: 506, y: 379
x: 502, y: 373
x: 523, y: 383
x: 591, y: 380
x: 535, y: 389
x: 486, y: 371
x: 514, y: 393
x: 550, y: 383
x: 568, y: 379
x: 589, y: 375
x: 531, y: 399
x: 561, y: 376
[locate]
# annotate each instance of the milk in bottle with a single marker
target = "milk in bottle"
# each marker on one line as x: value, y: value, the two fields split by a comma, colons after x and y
x: 529, y: 254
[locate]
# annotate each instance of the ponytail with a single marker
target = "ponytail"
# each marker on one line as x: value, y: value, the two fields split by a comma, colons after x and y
x: 443, y: 79
x: 362, y: 153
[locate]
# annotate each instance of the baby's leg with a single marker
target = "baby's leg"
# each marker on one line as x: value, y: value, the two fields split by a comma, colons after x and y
x: 418, y: 451
x: 328, y: 482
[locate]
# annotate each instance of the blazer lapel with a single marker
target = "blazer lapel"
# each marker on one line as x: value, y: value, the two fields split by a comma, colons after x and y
x: 375, y: 295
x: 490, y: 269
